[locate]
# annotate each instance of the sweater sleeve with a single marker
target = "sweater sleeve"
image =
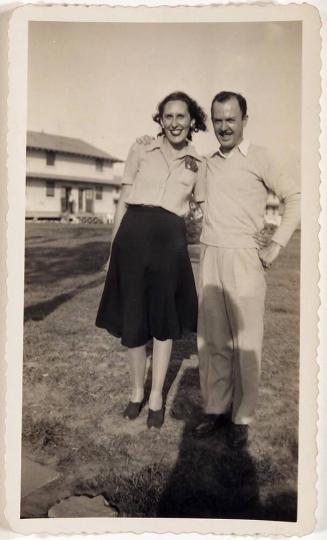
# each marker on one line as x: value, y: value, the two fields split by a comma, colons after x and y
x: 288, y: 191
x: 290, y: 219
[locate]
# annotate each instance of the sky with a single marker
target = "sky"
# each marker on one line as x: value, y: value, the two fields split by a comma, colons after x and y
x: 101, y: 82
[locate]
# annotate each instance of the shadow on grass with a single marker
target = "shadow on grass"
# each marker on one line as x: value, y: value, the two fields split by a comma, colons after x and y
x: 210, y: 480
x: 39, y: 311
x: 48, y: 265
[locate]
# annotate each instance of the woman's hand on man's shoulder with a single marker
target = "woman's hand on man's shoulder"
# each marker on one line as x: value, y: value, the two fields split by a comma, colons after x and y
x: 145, y: 139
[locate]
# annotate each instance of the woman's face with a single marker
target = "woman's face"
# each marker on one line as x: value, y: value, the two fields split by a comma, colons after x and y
x: 176, y: 122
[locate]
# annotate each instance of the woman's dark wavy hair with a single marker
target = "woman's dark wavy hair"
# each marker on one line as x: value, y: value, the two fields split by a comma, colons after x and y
x: 196, y: 112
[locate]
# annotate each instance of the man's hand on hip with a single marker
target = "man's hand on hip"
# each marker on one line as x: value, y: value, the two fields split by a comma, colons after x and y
x: 262, y: 238
x: 268, y: 254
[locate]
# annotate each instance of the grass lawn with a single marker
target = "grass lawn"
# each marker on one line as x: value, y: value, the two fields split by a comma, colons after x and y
x: 76, y: 384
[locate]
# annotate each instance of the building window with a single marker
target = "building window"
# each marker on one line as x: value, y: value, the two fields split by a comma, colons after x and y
x: 51, y: 157
x: 99, y: 164
x: 50, y: 188
x: 98, y: 192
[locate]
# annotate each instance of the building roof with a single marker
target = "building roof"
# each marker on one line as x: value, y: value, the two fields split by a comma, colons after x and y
x: 66, y: 145
x: 115, y: 181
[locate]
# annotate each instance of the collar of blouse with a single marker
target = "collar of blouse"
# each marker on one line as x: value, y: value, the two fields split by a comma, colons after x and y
x: 188, y: 150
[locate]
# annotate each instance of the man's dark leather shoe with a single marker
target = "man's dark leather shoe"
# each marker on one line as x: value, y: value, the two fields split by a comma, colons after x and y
x: 209, y: 425
x: 237, y: 435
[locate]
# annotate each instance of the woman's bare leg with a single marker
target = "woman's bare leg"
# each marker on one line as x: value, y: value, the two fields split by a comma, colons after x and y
x: 137, y: 364
x: 160, y: 362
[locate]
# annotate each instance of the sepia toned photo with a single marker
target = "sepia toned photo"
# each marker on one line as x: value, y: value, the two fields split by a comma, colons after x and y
x: 167, y: 226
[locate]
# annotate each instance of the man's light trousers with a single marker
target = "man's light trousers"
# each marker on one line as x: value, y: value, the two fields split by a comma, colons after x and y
x: 232, y: 290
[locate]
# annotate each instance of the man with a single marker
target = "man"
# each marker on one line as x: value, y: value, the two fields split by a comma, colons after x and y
x: 232, y: 282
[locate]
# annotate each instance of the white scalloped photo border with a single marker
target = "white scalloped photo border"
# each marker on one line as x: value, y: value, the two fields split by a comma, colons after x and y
x: 13, y: 222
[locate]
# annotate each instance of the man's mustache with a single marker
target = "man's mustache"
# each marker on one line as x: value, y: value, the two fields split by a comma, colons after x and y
x: 222, y: 133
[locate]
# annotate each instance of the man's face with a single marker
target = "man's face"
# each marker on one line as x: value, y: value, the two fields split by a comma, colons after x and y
x: 228, y: 123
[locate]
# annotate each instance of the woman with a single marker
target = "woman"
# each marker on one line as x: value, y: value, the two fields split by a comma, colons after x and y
x: 149, y: 290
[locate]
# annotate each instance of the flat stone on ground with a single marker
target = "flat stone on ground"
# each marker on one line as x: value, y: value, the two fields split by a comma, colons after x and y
x: 35, y: 476
x: 82, y: 507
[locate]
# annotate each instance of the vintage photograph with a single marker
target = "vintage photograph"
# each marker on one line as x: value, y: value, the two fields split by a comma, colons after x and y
x: 158, y: 419
x: 162, y: 270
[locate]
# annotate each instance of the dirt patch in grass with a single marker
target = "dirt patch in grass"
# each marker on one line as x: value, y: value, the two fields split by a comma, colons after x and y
x: 76, y: 387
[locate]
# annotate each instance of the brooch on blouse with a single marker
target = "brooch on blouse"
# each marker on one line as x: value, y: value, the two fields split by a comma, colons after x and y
x: 191, y: 164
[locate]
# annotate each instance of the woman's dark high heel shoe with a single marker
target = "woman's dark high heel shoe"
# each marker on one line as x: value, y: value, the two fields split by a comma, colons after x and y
x: 156, y: 418
x: 133, y: 409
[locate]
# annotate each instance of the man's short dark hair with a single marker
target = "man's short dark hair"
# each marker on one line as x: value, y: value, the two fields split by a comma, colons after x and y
x: 221, y: 97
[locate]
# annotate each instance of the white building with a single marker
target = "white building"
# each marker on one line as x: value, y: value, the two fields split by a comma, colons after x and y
x: 66, y: 176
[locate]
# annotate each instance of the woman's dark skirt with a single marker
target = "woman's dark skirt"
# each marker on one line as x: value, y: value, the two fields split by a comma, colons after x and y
x: 149, y: 290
